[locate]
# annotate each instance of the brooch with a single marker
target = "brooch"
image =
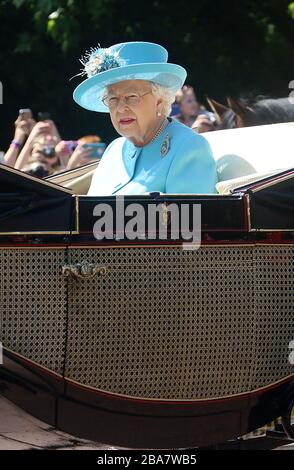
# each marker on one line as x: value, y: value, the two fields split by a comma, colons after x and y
x: 164, y: 146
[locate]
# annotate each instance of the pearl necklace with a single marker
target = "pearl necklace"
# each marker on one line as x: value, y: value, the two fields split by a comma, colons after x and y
x: 162, y: 126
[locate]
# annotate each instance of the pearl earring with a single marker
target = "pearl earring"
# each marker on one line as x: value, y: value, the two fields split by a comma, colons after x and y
x: 158, y: 113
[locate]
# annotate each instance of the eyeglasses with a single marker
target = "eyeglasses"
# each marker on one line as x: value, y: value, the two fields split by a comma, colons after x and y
x: 131, y: 99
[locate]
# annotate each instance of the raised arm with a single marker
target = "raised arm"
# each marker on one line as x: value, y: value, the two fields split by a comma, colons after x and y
x: 22, y: 130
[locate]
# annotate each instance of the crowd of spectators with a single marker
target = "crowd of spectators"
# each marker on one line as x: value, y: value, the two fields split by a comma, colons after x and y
x: 190, y: 112
x: 38, y: 149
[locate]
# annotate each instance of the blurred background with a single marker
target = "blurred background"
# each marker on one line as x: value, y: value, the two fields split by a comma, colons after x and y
x: 228, y: 48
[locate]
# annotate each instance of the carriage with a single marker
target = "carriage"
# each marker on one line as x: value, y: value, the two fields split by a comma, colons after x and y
x: 149, y: 341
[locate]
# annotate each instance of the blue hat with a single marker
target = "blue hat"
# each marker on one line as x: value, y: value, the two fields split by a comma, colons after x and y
x: 125, y: 61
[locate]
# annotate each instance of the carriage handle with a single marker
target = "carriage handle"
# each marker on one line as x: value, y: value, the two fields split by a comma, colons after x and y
x: 83, y: 270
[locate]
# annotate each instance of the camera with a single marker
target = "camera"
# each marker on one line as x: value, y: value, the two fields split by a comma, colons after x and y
x: 48, y: 151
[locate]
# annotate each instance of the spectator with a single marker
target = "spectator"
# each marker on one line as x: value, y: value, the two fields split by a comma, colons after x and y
x: 204, y: 122
x: 188, y: 105
x: 37, y: 149
x: 40, y: 149
x: 43, y: 160
x: 66, y: 155
x: 81, y: 155
x: 21, y: 132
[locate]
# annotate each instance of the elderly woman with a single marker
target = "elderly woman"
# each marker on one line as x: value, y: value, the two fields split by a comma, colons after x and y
x: 135, y: 84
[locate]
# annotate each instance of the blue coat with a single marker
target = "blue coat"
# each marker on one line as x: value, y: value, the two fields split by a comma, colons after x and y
x: 177, y: 161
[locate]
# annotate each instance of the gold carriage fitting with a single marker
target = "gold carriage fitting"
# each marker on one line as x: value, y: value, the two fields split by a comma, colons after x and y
x: 142, y: 343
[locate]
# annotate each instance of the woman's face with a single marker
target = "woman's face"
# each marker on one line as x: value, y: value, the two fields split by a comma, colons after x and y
x: 137, y: 121
x: 189, y: 105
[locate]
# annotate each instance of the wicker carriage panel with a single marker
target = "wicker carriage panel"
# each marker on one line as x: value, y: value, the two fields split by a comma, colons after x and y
x: 33, y: 305
x: 274, y: 319
x: 164, y: 323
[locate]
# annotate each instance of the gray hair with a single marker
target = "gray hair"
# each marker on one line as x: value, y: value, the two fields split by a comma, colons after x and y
x: 160, y: 92
x: 164, y: 93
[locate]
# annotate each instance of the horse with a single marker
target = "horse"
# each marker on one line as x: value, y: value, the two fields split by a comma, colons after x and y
x: 240, y: 113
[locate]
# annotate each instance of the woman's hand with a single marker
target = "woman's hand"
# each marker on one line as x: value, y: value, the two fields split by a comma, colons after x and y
x: 54, y: 131
x: 79, y: 157
x: 64, y: 151
x: 43, y: 128
x: 23, y: 129
x: 39, y: 131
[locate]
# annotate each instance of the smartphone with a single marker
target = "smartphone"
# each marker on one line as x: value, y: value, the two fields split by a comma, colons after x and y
x: 97, y: 149
x: 25, y: 114
x: 43, y: 115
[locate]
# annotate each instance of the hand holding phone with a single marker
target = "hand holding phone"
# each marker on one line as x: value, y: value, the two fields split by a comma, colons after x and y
x: 97, y: 149
x: 25, y: 114
x: 80, y: 156
x: 23, y: 125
